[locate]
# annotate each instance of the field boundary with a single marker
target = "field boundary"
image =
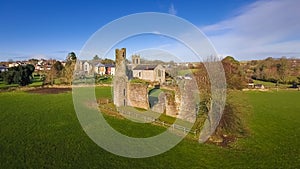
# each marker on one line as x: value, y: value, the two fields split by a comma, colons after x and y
x: 147, y: 119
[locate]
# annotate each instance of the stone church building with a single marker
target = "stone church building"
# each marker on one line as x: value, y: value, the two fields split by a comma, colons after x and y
x: 148, y: 72
x: 134, y: 94
x: 153, y: 73
x: 180, y: 104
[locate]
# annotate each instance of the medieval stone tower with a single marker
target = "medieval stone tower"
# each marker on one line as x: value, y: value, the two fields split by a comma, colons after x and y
x: 136, y: 59
x: 120, y: 80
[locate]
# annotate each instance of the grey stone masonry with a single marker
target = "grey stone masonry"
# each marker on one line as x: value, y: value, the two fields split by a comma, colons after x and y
x: 120, y: 81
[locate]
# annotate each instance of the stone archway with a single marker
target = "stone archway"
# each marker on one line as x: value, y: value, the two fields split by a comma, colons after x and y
x: 153, y: 96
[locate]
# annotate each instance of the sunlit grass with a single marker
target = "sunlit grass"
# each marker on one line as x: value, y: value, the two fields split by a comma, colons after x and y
x: 42, y: 131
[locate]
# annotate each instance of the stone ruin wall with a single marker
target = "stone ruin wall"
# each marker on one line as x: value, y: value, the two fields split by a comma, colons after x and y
x: 172, y: 107
x: 138, y: 95
x: 178, y: 102
x: 168, y: 102
x: 189, y: 99
x: 120, y: 89
x: 160, y: 106
x: 120, y: 81
x: 181, y: 101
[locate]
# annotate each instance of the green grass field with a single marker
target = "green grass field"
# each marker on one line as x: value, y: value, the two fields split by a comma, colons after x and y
x: 271, y: 85
x: 186, y: 71
x: 5, y: 86
x: 35, y: 83
x: 42, y: 131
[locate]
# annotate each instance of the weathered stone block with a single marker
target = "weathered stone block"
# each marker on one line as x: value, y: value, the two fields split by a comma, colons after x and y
x: 138, y: 95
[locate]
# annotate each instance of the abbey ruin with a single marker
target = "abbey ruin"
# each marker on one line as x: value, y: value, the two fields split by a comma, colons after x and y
x: 177, y: 101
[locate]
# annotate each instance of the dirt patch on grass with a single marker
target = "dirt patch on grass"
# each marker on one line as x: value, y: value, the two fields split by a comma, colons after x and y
x: 49, y: 90
x: 223, y: 141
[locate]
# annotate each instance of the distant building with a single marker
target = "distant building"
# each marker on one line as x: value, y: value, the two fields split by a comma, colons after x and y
x: 110, y: 69
x: 136, y: 59
x: 95, y: 67
x: 251, y: 85
x: 3, y: 68
x: 259, y: 86
x: 87, y: 68
x: 149, y: 72
x: 99, y: 69
x: 43, y: 64
x: 13, y: 64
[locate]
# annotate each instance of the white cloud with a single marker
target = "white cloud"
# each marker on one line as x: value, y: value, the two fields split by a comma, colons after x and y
x: 172, y: 10
x: 261, y: 29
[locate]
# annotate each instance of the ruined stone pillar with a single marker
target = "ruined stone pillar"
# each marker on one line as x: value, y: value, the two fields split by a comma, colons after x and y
x: 120, y: 79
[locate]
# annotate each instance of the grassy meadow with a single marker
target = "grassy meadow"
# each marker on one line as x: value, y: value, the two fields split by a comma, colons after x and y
x: 42, y: 131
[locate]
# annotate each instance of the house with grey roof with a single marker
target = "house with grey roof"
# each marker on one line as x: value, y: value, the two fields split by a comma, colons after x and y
x: 86, y: 67
x: 153, y: 73
x: 3, y: 68
x: 110, y: 69
x: 100, y: 69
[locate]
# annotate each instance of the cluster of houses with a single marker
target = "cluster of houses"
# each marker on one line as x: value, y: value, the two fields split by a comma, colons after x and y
x: 95, y: 67
x: 85, y: 67
x: 40, y: 65
x: 255, y: 86
x: 148, y: 72
x: 43, y: 64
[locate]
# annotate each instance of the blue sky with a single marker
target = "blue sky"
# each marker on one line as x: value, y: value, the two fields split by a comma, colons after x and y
x: 246, y: 29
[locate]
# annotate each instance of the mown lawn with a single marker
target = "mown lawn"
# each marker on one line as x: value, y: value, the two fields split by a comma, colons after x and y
x: 5, y: 86
x: 36, y: 83
x: 276, y: 128
x: 42, y: 131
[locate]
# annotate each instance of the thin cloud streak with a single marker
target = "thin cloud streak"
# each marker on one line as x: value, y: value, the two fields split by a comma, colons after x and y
x: 262, y: 29
x: 172, y: 10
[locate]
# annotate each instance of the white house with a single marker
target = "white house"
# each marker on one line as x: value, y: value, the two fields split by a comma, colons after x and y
x: 3, y: 68
x: 13, y: 64
x: 95, y: 67
x: 87, y: 67
x: 110, y: 69
x: 99, y: 69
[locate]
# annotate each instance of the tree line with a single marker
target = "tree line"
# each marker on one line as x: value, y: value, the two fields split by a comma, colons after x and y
x: 276, y: 70
x: 21, y: 74
x: 64, y: 73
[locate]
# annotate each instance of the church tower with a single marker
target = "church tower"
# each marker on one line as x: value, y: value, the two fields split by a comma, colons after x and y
x: 136, y: 60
